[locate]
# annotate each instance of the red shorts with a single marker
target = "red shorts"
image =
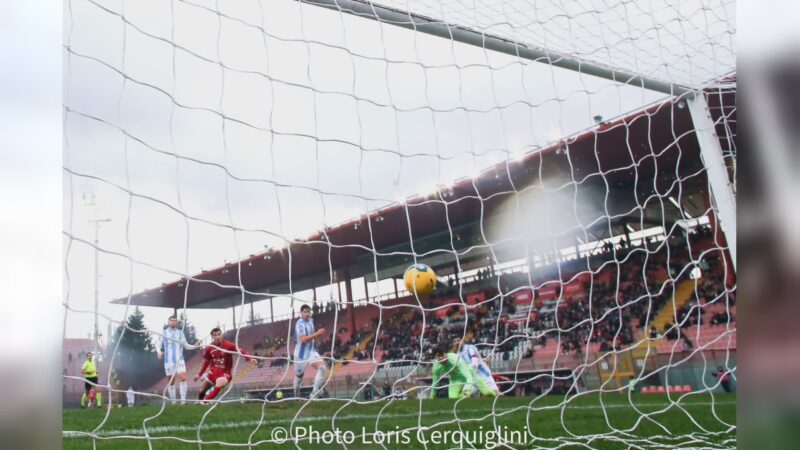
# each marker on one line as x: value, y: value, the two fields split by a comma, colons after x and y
x: 213, y: 375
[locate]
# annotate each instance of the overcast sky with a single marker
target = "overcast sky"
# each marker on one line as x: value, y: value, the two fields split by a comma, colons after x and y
x: 277, y: 120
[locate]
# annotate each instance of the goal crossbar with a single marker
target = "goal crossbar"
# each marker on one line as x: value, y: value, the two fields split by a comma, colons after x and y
x: 465, y: 35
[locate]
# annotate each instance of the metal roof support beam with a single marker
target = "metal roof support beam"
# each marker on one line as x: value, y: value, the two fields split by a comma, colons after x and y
x: 349, y: 291
x: 433, y: 27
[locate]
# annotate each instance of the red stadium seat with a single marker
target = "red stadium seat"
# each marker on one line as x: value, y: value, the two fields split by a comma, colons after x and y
x: 687, y: 389
x: 660, y: 389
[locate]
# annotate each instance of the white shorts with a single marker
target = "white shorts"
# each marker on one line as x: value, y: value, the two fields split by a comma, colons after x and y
x: 173, y: 368
x: 488, y: 379
x: 300, y: 366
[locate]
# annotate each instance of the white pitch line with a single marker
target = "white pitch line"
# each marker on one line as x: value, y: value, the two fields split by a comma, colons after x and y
x: 252, y: 423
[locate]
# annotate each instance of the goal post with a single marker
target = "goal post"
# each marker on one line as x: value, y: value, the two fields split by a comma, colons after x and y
x: 704, y: 125
x: 465, y: 35
x: 719, y: 180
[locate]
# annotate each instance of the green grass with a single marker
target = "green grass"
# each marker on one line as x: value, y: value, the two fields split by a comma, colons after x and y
x: 698, y: 421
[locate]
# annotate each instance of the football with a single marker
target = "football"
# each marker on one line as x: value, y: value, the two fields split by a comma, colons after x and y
x: 420, y: 279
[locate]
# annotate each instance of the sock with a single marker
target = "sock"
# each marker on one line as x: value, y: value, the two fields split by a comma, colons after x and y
x: 213, y: 393
x: 297, y: 382
x: 183, y: 386
x: 202, y: 394
x: 171, y: 390
x: 318, y: 380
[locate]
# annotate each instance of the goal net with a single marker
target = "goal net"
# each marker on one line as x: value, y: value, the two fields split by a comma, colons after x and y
x: 566, y: 168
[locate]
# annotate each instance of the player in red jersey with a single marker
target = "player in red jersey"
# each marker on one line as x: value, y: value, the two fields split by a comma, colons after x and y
x: 218, y: 359
x: 501, y: 379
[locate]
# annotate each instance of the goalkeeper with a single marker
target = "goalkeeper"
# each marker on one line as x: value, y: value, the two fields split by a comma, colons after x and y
x: 460, y: 374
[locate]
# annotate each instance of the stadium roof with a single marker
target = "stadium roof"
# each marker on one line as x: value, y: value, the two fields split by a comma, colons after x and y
x: 617, y: 166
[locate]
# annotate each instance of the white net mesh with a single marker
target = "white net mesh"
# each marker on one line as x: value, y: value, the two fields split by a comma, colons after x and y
x: 688, y: 43
x: 231, y: 161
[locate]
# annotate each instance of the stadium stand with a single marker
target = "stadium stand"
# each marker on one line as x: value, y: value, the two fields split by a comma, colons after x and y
x: 625, y: 296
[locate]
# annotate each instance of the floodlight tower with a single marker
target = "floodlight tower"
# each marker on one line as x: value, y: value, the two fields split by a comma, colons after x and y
x: 90, y: 200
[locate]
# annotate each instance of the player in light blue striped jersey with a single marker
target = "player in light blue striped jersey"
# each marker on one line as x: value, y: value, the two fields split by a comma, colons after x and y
x: 170, y: 349
x: 305, y: 353
x: 469, y: 353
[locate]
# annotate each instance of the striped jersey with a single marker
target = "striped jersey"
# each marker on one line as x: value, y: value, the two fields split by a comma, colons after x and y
x: 303, y: 328
x: 469, y: 353
x: 172, y: 342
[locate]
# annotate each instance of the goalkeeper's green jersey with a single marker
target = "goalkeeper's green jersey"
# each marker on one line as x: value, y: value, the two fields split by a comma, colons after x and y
x: 455, y: 368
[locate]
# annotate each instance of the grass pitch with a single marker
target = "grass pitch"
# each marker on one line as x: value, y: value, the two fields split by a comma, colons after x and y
x: 610, y: 421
